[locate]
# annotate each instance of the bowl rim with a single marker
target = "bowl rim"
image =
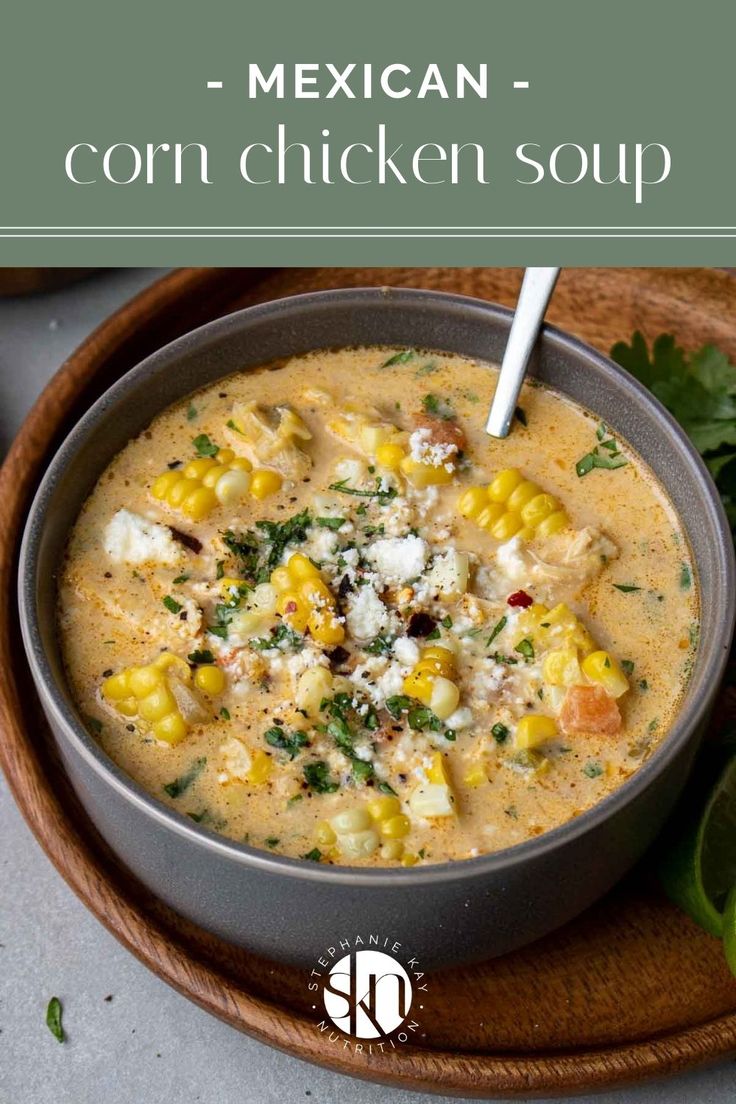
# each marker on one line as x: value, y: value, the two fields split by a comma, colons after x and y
x: 65, y: 720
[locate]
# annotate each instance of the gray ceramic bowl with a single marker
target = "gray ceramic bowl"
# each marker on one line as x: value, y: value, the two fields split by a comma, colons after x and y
x: 289, y: 909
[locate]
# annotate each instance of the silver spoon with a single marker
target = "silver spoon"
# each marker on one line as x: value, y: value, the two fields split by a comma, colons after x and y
x: 535, y: 294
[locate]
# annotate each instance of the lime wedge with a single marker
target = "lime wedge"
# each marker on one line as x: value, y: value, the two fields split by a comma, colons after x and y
x: 698, y: 870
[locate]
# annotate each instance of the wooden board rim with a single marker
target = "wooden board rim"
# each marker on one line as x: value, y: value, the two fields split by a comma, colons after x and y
x: 468, y: 1074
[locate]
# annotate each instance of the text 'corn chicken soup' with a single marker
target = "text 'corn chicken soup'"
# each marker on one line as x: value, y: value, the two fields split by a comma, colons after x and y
x: 315, y: 608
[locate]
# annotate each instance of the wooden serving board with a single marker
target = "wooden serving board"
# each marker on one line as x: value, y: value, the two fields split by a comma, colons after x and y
x: 632, y: 989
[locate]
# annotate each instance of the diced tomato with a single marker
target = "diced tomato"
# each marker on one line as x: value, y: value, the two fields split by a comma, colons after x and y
x: 520, y: 598
x: 589, y: 709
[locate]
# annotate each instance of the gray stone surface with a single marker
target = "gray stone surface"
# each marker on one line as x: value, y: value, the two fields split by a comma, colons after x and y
x: 147, y: 1045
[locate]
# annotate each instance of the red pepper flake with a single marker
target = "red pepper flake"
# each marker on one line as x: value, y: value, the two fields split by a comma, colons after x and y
x: 519, y: 598
x: 291, y: 607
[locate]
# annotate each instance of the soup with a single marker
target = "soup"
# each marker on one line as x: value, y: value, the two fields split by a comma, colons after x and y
x: 313, y: 607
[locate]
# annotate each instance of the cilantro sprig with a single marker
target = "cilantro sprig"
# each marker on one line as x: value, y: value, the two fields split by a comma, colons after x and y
x: 699, y: 390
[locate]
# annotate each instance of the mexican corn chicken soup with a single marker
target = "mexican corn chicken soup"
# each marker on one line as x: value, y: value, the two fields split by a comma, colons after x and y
x: 315, y: 608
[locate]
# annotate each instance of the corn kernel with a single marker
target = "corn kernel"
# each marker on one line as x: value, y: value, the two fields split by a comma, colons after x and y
x: 301, y: 568
x: 533, y: 730
x: 389, y: 456
x: 264, y: 483
x: 538, y: 508
x: 128, y: 707
x: 210, y: 680
x: 180, y: 490
x: 392, y: 850
x: 211, y: 476
x: 562, y: 668
x: 312, y: 686
x: 555, y: 523
x: 471, y: 502
x: 476, y: 776
x: 351, y: 820
x: 396, y: 827
x: 196, y: 469
x: 490, y: 514
x: 324, y: 626
x: 506, y: 527
x: 199, y: 503
x: 167, y: 661
x: 521, y: 495
x: 419, y: 685
x: 232, y: 487
x: 445, y: 697
x: 502, y: 486
x: 293, y: 609
x: 373, y: 436
x: 171, y: 729
x: 602, y: 668
x: 359, y: 845
x: 431, y: 666
x: 261, y: 767
x: 324, y: 834
x: 164, y: 484
x: 425, y: 475
x: 281, y: 579
x: 384, y: 806
x: 143, y: 680
x: 443, y: 655
x: 409, y: 860
x: 437, y: 772
x: 157, y: 704
x: 116, y: 687
x: 225, y: 455
x: 241, y: 464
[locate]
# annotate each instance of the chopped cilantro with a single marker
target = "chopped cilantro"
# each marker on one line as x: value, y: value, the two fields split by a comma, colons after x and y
x: 181, y: 784
x: 384, y: 788
x: 317, y: 777
x: 439, y: 408
x: 525, y: 648
x: 379, y: 646
x: 225, y: 714
x: 330, y: 522
x: 191, y: 412
x: 627, y: 665
x: 626, y: 588
x: 179, y: 579
x: 201, y: 655
x: 172, y: 605
x: 399, y: 358
x: 497, y: 628
x: 446, y: 622
x: 292, y: 743
x: 314, y: 855
x: 500, y: 733
x: 272, y: 841
x: 593, y: 769
x: 686, y: 578
x: 383, y: 495
x: 281, y: 634
x: 204, y: 447
x: 53, y: 1019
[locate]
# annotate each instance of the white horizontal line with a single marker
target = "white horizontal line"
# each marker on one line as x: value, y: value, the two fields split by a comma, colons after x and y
x: 433, y: 228
x: 214, y: 84
x: 328, y: 237
x: 521, y: 84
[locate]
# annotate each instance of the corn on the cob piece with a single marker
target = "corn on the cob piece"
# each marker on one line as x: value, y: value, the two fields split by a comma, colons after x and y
x: 511, y: 505
x: 431, y: 681
x: 305, y: 601
x: 358, y: 832
x: 210, y: 481
x: 148, y: 693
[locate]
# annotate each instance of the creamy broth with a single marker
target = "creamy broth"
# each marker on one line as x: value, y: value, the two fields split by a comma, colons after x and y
x: 293, y: 610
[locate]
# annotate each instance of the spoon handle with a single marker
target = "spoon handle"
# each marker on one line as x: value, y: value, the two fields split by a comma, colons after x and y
x: 536, y: 290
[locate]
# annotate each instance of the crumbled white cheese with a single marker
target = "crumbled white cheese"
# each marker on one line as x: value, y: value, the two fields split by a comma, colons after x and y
x: 130, y: 538
x: 398, y: 559
x: 436, y: 454
x: 406, y: 651
x: 236, y: 761
x: 366, y: 614
x: 461, y: 718
x: 391, y: 681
